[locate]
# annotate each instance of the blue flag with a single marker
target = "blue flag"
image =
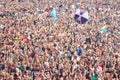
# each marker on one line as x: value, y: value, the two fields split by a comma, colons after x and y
x: 54, y: 14
x: 105, y: 30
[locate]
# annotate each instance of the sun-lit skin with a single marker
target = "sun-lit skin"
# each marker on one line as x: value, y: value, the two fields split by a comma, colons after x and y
x: 34, y: 47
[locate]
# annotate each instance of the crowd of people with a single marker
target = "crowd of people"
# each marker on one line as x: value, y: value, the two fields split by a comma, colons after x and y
x: 34, y: 47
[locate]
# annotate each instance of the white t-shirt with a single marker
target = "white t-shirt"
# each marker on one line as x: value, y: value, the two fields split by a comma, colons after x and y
x: 99, y: 69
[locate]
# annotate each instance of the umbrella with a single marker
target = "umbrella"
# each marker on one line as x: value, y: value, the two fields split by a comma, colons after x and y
x: 81, y: 16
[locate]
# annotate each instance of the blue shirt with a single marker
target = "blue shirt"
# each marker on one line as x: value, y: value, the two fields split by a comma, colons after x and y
x: 79, y: 50
x: 1, y: 64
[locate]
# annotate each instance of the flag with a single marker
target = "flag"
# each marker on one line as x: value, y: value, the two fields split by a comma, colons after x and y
x: 103, y: 29
x: 54, y: 14
x: 119, y: 33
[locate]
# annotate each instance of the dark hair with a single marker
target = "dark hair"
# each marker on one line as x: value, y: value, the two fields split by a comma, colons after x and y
x: 15, y: 76
x: 3, y: 67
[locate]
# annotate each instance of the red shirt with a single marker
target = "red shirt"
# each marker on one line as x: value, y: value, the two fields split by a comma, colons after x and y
x: 102, y: 67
